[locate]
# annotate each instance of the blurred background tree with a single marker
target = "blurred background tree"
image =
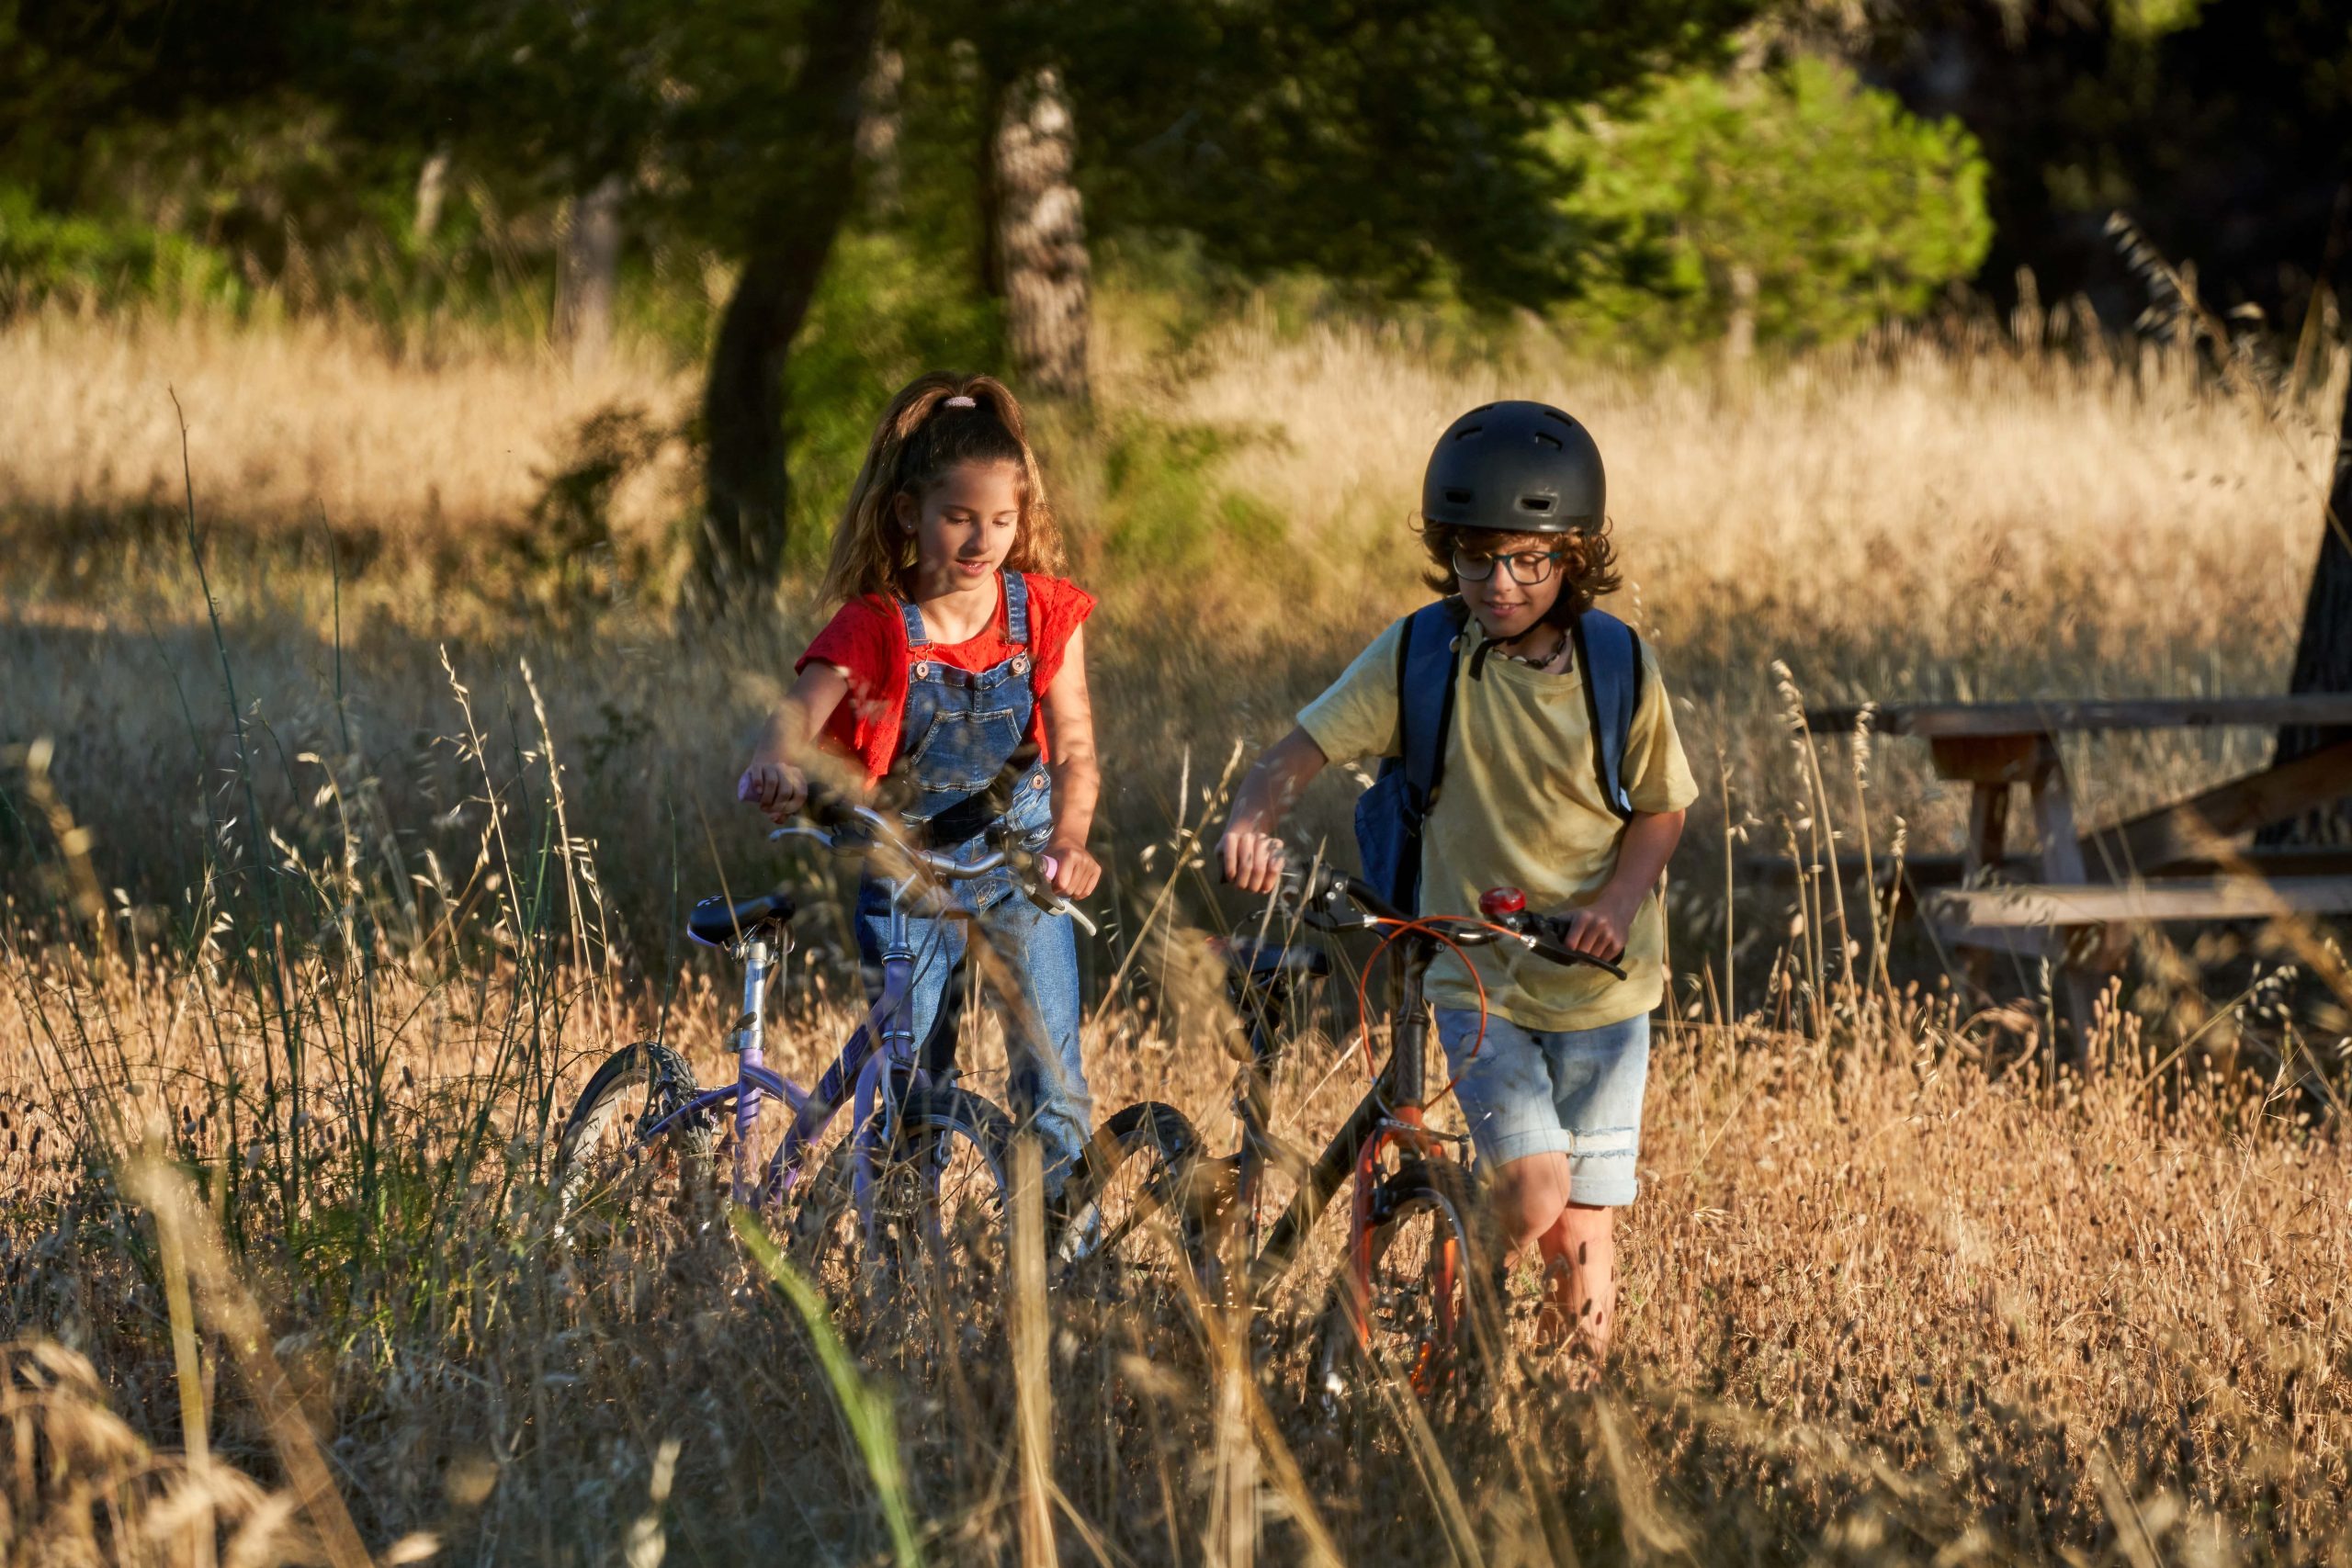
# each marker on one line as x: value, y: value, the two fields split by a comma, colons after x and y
x: 810, y: 198
x: 1788, y: 206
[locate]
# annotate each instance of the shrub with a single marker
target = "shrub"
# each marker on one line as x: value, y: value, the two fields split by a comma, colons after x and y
x: 1844, y: 210
x: 43, y: 255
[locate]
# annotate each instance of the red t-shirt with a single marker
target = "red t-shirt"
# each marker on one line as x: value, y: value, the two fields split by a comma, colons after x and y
x: 867, y: 639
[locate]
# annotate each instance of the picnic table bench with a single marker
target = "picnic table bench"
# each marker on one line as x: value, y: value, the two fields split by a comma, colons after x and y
x: 2175, y: 863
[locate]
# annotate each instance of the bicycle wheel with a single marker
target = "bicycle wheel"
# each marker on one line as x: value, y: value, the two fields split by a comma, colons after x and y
x: 939, y: 1199
x: 1429, y: 1318
x: 1136, y: 1209
x: 603, y: 1164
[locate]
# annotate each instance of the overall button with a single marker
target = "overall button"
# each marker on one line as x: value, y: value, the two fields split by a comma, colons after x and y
x: 1038, y: 780
x: 922, y: 670
x: 1021, y: 664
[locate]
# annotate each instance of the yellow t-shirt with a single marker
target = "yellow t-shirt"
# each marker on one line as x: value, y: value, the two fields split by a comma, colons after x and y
x: 1520, y: 805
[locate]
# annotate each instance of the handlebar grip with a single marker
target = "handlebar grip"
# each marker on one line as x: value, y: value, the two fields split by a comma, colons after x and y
x: 1558, y: 953
x: 1550, y: 939
x: 827, y: 807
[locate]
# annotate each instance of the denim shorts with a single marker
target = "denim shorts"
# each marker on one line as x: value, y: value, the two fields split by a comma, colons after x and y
x: 1576, y: 1092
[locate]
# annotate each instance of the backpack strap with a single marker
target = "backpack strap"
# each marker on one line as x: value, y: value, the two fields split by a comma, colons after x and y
x: 1428, y: 654
x: 1610, y: 654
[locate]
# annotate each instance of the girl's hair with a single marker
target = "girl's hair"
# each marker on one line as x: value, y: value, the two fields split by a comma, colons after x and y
x: 924, y: 433
x: 1588, y: 565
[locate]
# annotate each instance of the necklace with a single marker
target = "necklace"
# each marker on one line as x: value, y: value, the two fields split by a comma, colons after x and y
x: 1557, y: 649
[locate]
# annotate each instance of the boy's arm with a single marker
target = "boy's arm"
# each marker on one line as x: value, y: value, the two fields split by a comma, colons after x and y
x: 1078, y: 775
x: 1598, y: 928
x: 774, y: 780
x: 1251, y: 856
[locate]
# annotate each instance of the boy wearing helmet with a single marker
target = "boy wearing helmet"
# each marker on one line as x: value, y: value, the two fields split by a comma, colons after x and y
x: 1562, y: 775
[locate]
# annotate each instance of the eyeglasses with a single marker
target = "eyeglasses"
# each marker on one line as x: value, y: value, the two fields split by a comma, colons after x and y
x: 1527, y: 567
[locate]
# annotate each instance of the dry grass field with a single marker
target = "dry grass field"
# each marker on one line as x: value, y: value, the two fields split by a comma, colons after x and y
x: 1893, y: 1292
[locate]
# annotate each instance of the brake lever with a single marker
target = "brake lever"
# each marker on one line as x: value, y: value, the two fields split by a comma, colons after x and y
x: 1321, y: 903
x: 1040, y: 894
x: 1558, y: 953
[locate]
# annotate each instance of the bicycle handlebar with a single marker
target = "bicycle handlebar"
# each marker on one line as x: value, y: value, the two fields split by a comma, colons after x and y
x: 849, y: 828
x: 1316, y: 897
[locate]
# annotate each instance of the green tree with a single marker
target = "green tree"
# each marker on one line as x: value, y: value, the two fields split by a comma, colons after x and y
x: 1392, y: 144
x: 1788, y: 206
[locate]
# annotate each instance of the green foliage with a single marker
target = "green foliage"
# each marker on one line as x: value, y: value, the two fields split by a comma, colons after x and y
x: 887, y: 310
x: 44, y: 253
x: 1388, y: 144
x: 1160, y: 507
x: 1846, y: 209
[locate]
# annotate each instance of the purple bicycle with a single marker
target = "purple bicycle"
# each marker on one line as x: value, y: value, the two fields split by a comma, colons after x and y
x: 918, y: 1184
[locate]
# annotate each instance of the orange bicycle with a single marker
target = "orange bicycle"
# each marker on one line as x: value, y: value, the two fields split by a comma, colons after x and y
x: 1408, y: 1296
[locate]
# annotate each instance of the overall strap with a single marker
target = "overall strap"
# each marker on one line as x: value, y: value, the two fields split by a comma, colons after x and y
x: 1427, y: 656
x: 1611, y: 656
x: 1016, y: 607
x: 916, y: 637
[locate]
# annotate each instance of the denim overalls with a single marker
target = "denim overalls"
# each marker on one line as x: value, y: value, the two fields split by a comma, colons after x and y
x: 960, y: 731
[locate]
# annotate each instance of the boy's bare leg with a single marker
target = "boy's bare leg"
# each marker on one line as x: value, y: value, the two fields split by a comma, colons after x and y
x: 1581, y: 1278
x: 1578, y: 1243
x: 1530, y: 1195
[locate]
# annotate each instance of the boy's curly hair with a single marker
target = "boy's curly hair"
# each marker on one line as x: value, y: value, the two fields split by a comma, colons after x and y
x: 1588, y: 566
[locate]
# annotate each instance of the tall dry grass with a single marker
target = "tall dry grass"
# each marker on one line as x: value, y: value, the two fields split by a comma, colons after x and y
x: 1926, y: 516
x: 1893, y: 1294
x: 309, y: 425
x: 1885, y: 1301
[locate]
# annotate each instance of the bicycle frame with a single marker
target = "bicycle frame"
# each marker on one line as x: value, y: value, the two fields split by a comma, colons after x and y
x: 856, y: 1074
x: 1390, y: 1112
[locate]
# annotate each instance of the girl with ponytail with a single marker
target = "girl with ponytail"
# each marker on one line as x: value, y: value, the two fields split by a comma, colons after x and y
x: 954, y: 665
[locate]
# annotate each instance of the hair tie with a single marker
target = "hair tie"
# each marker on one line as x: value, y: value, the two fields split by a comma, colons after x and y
x: 959, y: 402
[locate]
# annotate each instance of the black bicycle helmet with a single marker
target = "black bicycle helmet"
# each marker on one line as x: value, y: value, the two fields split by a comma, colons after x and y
x: 1520, y: 468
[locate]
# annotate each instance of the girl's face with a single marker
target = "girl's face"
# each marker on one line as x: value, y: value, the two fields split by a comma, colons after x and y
x: 1505, y: 606
x: 965, y: 525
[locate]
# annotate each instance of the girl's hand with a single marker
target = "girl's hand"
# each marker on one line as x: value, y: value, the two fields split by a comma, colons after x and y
x: 778, y: 789
x: 1252, y: 860
x: 1075, y: 872
x: 1598, y: 928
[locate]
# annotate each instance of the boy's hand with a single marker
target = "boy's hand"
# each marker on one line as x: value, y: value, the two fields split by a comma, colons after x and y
x: 778, y: 789
x: 1598, y: 928
x: 1252, y: 860
x: 1075, y: 872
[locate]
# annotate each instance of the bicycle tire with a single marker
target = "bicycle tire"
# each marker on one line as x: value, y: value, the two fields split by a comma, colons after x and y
x: 939, y: 1200
x: 1133, y: 1207
x: 589, y: 1162
x: 1430, y: 1320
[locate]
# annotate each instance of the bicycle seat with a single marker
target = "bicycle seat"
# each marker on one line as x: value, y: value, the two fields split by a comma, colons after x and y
x: 718, y: 924
x: 1259, y: 962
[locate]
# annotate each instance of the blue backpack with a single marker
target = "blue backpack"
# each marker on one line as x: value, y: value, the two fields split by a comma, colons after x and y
x: 1390, y: 815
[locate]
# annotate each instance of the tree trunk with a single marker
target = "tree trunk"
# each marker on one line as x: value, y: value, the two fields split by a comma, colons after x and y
x: 2323, y: 652
x: 1739, y: 333
x: 1041, y: 237
x: 432, y: 190
x: 877, y: 132
x: 739, y: 555
x: 588, y: 274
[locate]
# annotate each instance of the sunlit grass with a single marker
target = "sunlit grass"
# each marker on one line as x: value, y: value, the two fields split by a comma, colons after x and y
x: 1893, y: 1294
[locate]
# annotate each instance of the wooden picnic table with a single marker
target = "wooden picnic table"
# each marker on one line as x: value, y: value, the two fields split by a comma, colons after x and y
x: 2174, y: 864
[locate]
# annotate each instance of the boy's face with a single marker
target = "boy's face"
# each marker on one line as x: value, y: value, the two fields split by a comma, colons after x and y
x: 1505, y: 606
